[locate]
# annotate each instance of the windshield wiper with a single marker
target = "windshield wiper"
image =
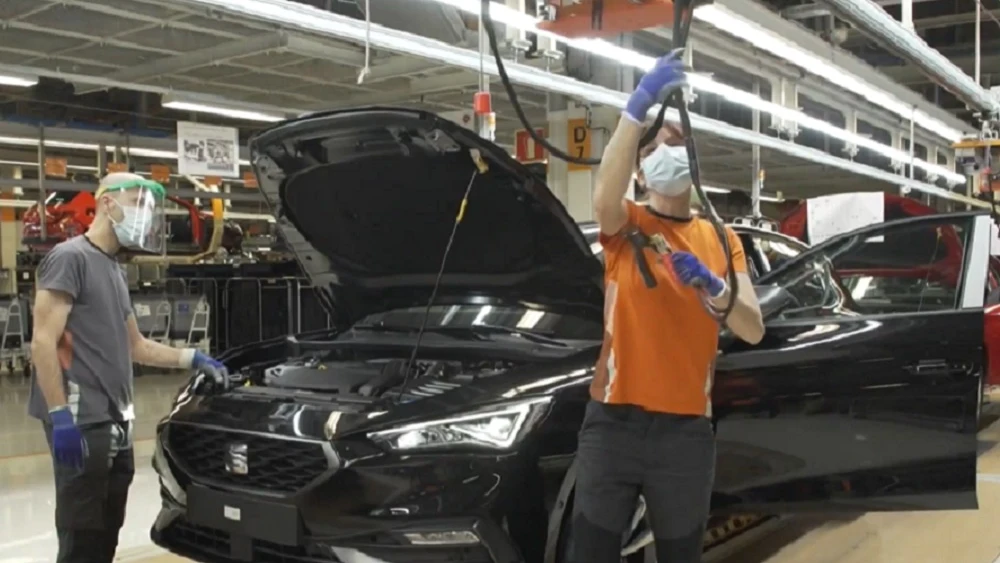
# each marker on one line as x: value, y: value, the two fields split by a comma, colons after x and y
x: 498, y: 329
x: 479, y: 329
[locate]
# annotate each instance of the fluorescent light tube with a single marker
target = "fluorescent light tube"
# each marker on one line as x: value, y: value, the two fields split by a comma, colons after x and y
x: 732, y: 24
x: 233, y: 113
x: 308, y: 19
x: 509, y: 16
x: 20, y: 81
x: 134, y: 151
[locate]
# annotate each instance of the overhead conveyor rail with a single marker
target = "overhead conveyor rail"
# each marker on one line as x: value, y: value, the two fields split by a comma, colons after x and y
x: 310, y: 20
x: 871, y: 19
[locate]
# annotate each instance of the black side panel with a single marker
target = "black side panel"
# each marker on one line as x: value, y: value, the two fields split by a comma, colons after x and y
x: 874, y: 413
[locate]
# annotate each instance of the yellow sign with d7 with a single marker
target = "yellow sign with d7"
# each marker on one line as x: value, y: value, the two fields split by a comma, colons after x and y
x: 578, y: 141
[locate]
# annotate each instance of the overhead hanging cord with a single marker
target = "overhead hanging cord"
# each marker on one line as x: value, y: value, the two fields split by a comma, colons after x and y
x: 683, y: 15
x: 368, y: 43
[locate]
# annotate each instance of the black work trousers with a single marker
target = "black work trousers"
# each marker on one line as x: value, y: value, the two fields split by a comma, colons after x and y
x: 90, y: 502
x: 625, y: 451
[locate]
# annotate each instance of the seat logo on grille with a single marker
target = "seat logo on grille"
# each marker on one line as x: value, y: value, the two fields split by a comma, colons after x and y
x: 236, y: 459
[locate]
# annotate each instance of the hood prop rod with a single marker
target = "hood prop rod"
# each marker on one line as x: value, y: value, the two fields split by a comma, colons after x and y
x: 480, y: 168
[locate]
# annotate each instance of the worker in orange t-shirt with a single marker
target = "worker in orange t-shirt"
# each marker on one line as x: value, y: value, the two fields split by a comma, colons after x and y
x: 647, y: 429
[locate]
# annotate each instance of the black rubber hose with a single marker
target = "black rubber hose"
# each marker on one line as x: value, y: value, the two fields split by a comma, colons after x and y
x: 683, y: 11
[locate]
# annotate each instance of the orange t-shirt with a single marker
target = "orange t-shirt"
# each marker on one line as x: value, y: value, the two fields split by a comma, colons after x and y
x: 659, y: 344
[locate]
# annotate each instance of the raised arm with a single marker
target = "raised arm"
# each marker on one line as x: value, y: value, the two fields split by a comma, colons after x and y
x: 619, y: 157
x: 614, y: 175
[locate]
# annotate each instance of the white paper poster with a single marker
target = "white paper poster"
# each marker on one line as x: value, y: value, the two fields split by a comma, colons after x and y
x: 994, y: 240
x: 207, y: 150
x: 832, y: 215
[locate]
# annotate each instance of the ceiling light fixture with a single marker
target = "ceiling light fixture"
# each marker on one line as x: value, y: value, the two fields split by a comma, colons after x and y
x: 524, y: 22
x: 309, y: 19
x: 232, y: 113
x: 19, y: 81
x: 751, y: 32
x: 132, y: 151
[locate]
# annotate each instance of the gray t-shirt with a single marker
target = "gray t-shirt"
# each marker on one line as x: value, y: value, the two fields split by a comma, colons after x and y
x: 99, y: 376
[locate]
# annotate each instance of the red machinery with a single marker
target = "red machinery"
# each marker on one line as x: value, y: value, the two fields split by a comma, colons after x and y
x: 944, y: 270
x: 599, y: 18
x: 70, y: 213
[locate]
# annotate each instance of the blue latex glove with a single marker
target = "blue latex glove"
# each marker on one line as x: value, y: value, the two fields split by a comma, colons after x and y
x: 202, y: 360
x: 667, y: 73
x: 211, y: 374
x: 692, y: 272
x: 68, y: 445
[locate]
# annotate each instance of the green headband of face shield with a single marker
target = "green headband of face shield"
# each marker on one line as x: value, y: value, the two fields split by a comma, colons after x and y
x: 154, y: 187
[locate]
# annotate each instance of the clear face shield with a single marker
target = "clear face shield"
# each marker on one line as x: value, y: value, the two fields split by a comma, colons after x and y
x: 139, y: 218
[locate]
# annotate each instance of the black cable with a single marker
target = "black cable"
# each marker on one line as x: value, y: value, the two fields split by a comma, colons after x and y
x: 683, y: 12
x: 437, y: 283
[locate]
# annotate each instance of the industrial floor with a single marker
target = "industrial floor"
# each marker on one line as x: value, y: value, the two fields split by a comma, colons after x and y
x: 26, y: 505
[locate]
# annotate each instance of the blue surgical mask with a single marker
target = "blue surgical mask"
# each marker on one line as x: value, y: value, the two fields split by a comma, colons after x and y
x: 128, y: 229
x: 667, y: 171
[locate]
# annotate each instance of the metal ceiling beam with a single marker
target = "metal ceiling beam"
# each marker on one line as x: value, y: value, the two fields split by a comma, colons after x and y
x: 417, y: 88
x: 815, y: 10
x: 308, y: 19
x: 395, y: 66
x: 881, y: 27
x: 194, y: 59
x: 77, y: 78
x: 134, y: 15
x: 67, y: 186
x: 344, y: 55
x: 708, y: 44
x: 953, y: 19
x: 909, y: 74
x: 808, y: 41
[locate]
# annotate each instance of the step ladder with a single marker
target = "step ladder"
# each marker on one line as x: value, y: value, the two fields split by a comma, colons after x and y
x: 163, y: 314
x: 15, y: 350
x: 198, y: 333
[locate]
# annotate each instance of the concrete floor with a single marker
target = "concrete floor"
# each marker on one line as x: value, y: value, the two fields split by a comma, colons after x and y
x: 26, y: 504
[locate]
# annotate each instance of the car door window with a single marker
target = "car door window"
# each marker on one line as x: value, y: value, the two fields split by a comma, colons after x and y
x: 904, y: 268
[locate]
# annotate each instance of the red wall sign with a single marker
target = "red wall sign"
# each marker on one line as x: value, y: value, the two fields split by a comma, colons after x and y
x: 526, y: 149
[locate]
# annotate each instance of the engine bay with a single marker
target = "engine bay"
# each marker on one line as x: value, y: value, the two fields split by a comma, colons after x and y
x: 377, y: 377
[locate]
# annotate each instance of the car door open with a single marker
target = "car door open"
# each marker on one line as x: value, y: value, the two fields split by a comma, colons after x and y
x: 864, y: 393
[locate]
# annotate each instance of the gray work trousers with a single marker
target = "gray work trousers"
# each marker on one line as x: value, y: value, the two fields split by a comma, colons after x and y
x: 625, y: 451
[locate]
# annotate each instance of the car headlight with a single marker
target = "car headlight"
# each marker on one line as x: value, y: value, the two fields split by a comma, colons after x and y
x: 498, y: 427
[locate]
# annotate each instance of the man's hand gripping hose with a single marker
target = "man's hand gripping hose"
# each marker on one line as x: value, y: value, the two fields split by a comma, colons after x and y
x: 664, y: 83
x: 683, y: 266
x: 211, y: 376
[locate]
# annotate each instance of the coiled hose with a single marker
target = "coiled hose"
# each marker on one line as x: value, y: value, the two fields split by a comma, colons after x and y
x: 683, y: 12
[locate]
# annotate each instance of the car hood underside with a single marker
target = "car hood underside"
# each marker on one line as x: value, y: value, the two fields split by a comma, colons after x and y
x: 368, y: 200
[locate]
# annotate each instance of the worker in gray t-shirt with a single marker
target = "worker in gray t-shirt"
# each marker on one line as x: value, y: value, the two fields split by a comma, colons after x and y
x: 84, y: 342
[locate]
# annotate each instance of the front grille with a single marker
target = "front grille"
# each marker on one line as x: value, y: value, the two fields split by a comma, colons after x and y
x: 271, y: 464
x: 205, y: 543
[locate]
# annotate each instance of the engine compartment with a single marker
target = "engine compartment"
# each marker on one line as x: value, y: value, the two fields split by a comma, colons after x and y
x: 377, y: 376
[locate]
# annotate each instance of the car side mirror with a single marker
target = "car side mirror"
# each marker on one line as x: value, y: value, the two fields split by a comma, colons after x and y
x: 772, y: 299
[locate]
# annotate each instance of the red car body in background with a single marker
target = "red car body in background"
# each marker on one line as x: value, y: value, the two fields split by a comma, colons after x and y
x: 70, y: 214
x: 945, y: 270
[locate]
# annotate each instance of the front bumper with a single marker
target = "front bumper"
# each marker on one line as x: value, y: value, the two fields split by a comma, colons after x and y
x: 392, y: 510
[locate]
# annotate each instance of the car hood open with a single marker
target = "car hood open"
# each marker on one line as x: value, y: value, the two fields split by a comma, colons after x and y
x: 367, y: 200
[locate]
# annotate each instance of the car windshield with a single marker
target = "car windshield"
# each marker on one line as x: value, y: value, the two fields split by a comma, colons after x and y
x: 489, y: 318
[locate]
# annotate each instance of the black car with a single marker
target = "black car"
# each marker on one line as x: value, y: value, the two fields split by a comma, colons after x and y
x: 444, y: 429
